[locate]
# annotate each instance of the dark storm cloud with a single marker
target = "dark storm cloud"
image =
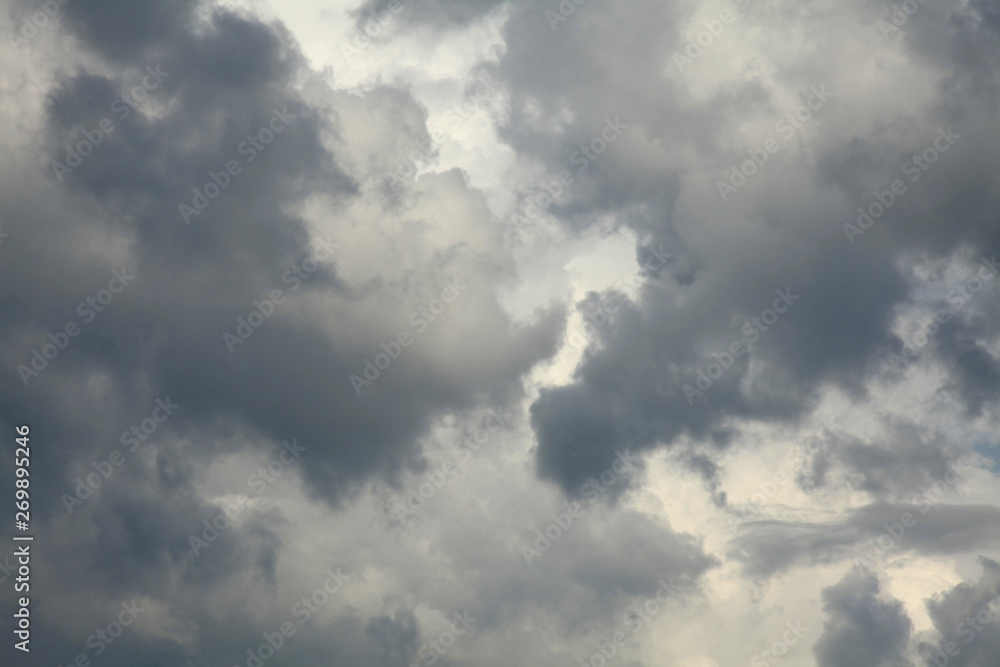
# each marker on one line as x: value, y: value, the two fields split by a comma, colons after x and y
x: 628, y: 392
x: 369, y: 641
x: 120, y: 30
x: 131, y: 543
x: 226, y: 80
x: 191, y: 280
x: 953, y: 202
x: 862, y: 626
x: 397, y: 637
x: 226, y: 76
x: 967, y: 620
x: 383, y: 641
x: 975, y: 371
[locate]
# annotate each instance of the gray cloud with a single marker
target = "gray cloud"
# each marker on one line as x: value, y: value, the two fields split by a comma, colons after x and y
x: 872, y: 533
x: 229, y: 73
x: 226, y: 74
x: 966, y: 620
x: 862, y: 628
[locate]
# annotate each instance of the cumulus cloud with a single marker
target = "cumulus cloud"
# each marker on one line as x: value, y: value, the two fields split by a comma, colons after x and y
x: 570, y: 283
x: 862, y: 627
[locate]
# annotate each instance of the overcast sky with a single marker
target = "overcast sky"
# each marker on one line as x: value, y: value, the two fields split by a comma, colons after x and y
x: 394, y: 333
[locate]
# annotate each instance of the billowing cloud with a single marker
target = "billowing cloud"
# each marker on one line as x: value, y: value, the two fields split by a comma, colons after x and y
x: 862, y: 628
x: 412, y: 333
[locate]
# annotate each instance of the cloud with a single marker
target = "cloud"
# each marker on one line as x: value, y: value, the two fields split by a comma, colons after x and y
x: 965, y: 619
x: 292, y: 283
x: 768, y: 547
x: 862, y: 627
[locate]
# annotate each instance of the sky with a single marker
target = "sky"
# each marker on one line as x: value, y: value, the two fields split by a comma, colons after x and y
x: 399, y: 333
